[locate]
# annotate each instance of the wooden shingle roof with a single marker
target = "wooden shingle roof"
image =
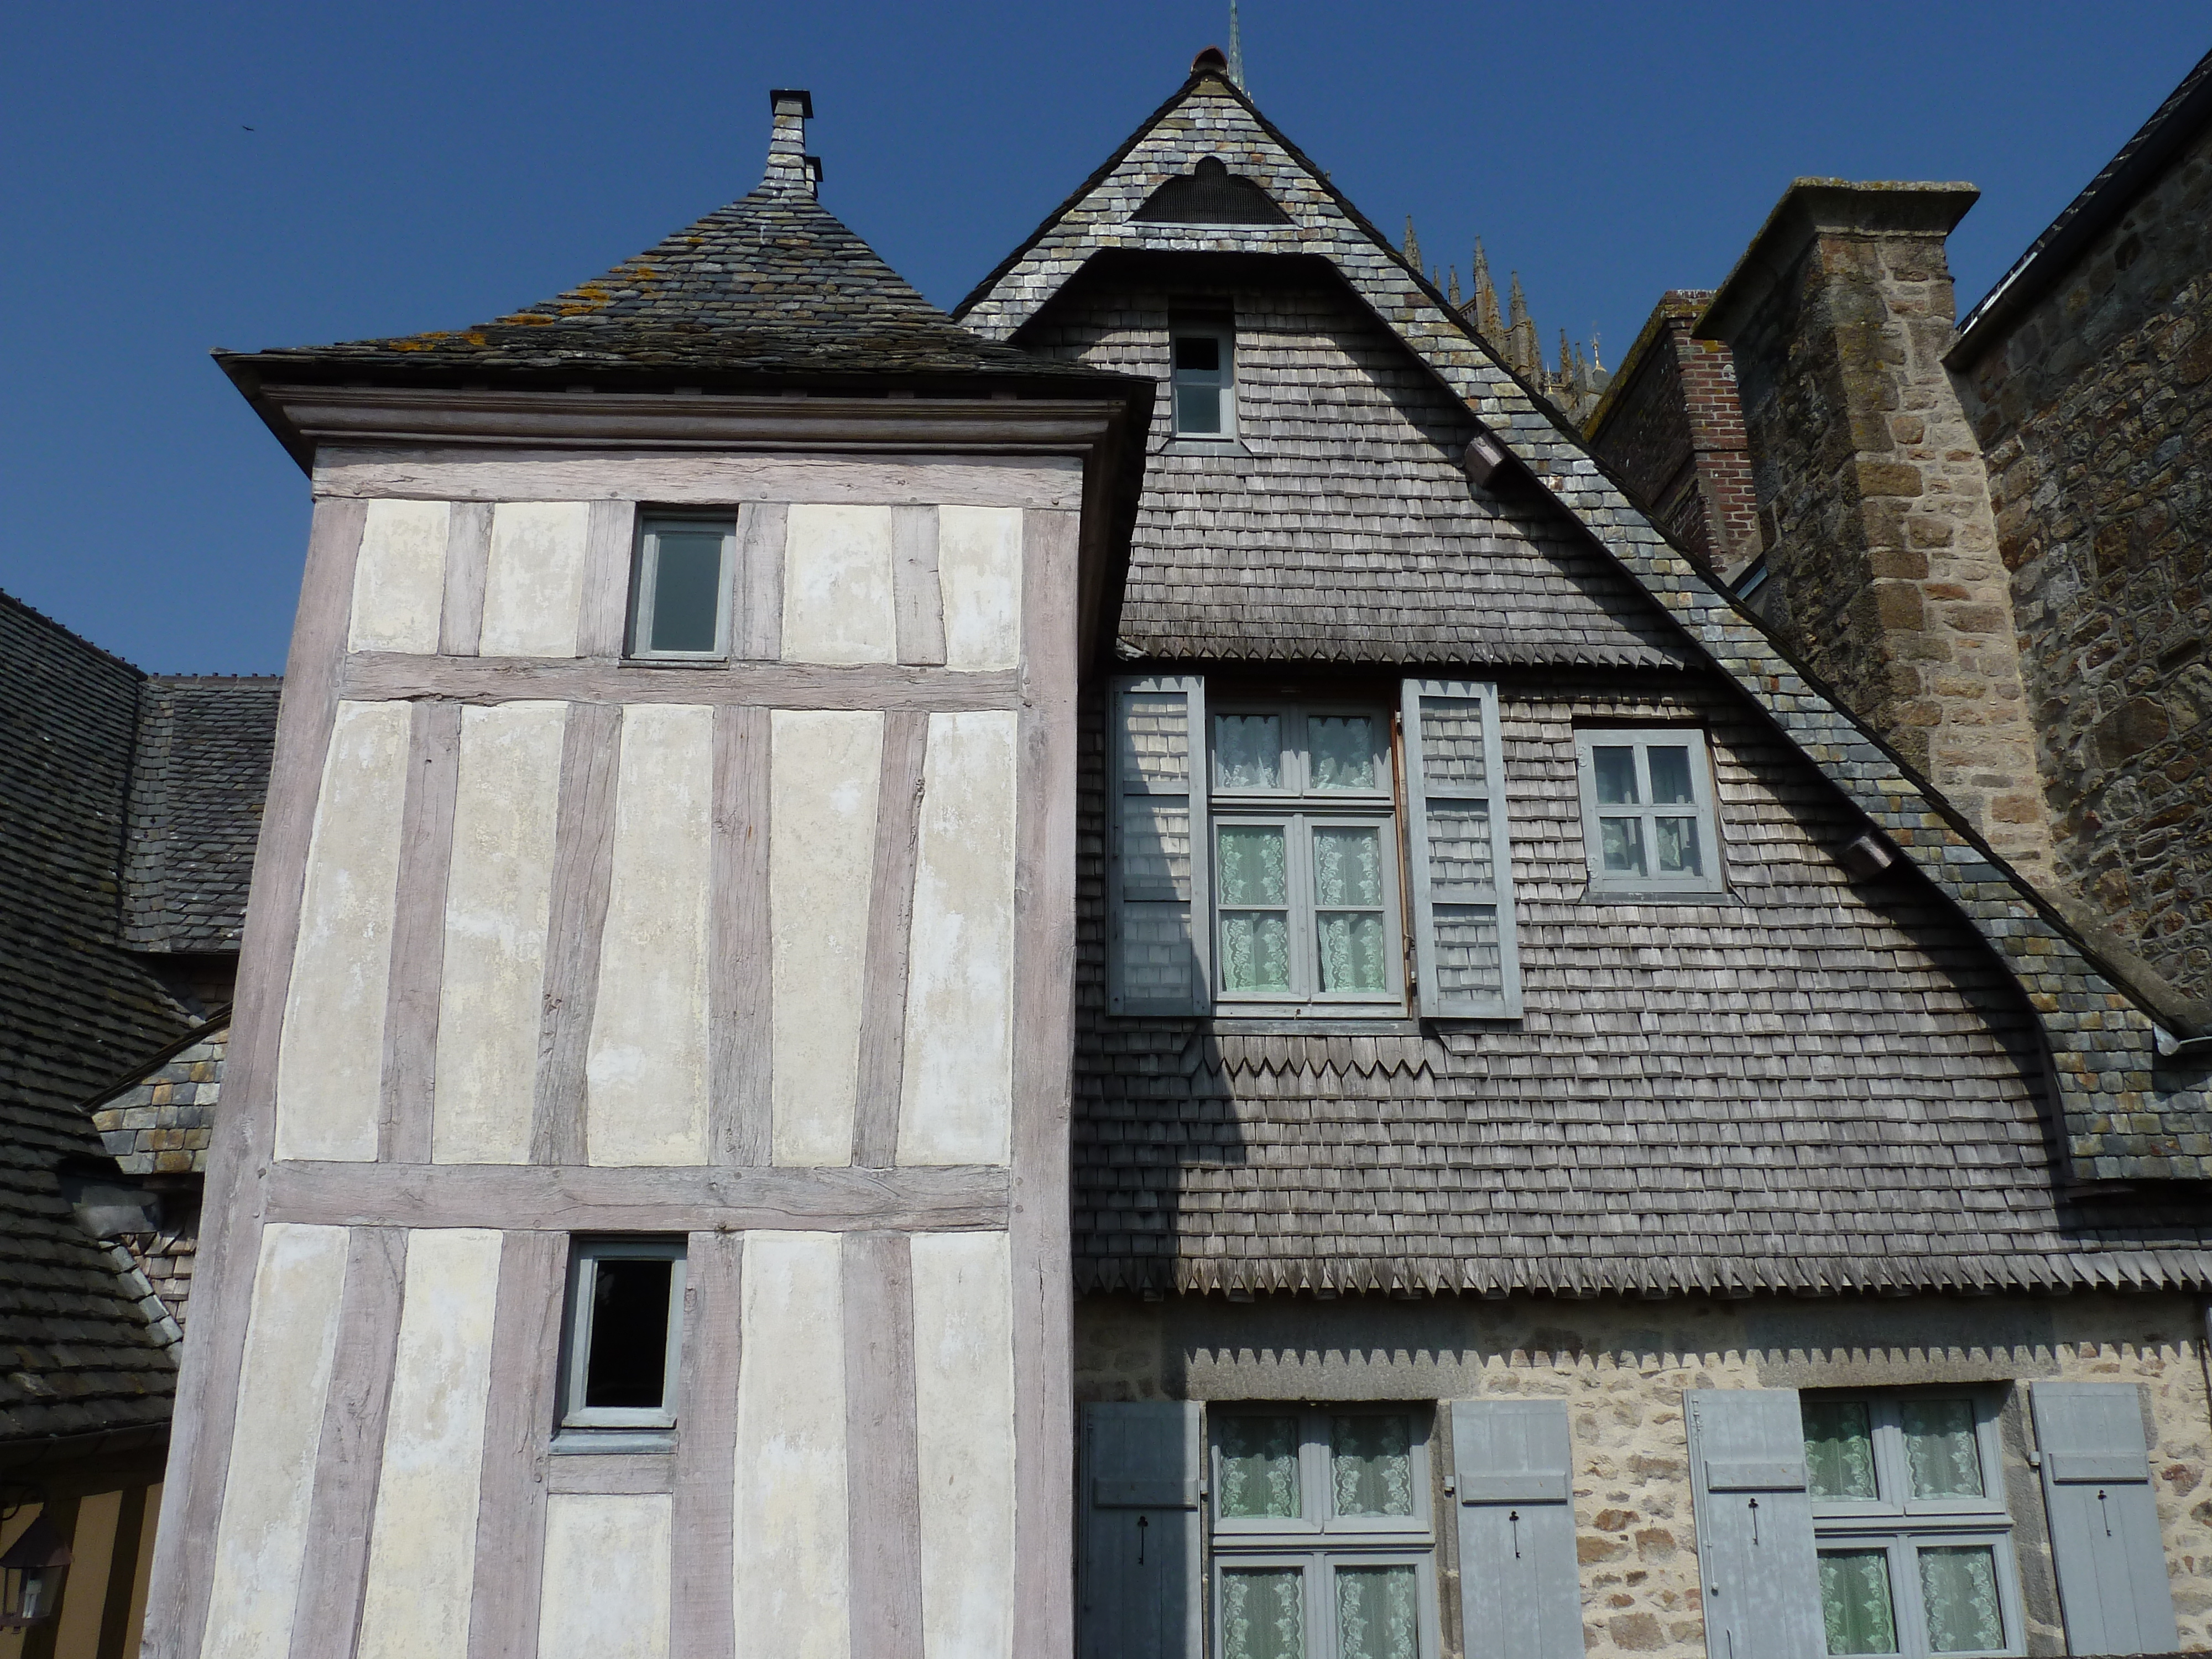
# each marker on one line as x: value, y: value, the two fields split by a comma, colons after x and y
x: 2125, y: 1114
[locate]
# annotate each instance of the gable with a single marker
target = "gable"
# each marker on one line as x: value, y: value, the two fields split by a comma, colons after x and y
x: 2124, y: 1111
x: 1339, y: 526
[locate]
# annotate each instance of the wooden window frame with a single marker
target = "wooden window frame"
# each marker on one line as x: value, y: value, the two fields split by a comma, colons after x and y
x: 1900, y: 1525
x: 1223, y: 333
x: 1299, y: 810
x: 1318, y: 1544
x: 585, y: 1255
x: 645, y: 570
x: 1710, y: 882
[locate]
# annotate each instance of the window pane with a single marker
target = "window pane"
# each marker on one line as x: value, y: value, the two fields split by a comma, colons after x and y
x: 1839, y: 1449
x: 1198, y: 351
x: 1623, y: 845
x: 1940, y: 1453
x: 628, y: 1366
x: 1252, y: 864
x: 1958, y: 1586
x: 1616, y: 775
x: 1378, y: 1612
x: 1198, y: 410
x: 1258, y: 1467
x: 1347, y: 864
x: 1855, y: 1605
x: 1352, y: 951
x: 1670, y: 774
x: 1263, y: 1614
x: 1371, y: 1465
x: 687, y: 590
x: 1343, y: 751
x: 1248, y: 751
x: 1255, y: 951
x: 1675, y: 843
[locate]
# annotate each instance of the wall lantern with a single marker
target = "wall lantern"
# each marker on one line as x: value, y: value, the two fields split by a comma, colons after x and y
x: 30, y: 1573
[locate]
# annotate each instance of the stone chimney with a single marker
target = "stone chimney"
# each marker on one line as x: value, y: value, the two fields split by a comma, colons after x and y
x: 790, y: 170
x: 1874, y: 503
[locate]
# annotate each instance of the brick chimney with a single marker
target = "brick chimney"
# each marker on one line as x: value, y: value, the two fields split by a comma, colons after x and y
x: 1874, y: 503
x: 790, y: 170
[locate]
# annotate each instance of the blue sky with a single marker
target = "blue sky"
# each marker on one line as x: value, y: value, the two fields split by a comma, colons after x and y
x: 260, y: 174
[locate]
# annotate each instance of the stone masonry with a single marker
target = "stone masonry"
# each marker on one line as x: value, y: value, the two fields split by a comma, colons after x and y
x: 1623, y: 1365
x: 1875, y: 505
x: 2094, y: 406
x: 1671, y: 426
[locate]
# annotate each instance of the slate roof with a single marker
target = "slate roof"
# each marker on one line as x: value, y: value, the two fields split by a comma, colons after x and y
x: 2173, y: 124
x: 79, y: 1349
x: 772, y: 285
x: 160, y: 1119
x: 197, y: 788
x: 2125, y: 1114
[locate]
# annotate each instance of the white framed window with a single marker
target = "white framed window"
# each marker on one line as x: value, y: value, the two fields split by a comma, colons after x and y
x: 1913, y: 1538
x: 1204, y: 380
x: 680, y: 591
x: 1323, y: 1534
x: 1304, y: 855
x: 623, y: 1336
x: 1649, y: 827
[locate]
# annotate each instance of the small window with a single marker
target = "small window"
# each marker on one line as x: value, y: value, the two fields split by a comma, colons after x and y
x: 619, y: 1351
x: 1648, y: 823
x: 1305, y: 855
x: 681, y: 603
x: 1323, y: 1539
x: 1204, y: 380
x: 1909, y: 1518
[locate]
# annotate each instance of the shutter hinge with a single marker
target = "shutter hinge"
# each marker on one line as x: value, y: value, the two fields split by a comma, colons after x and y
x: 1451, y: 1486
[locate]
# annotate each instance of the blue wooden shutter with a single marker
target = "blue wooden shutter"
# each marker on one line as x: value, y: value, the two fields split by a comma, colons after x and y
x: 1754, y: 1520
x: 1520, y: 1584
x: 1161, y: 924
x: 1464, y: 952
x: 1139, y: 1597
x: 2104, y: 1540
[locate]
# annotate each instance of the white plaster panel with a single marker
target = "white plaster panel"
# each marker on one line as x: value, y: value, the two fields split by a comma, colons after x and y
x: 791, y: 1548
x: 607, y: 1577
x: 979, y: 572
x: 646, y: 1071
x: 330, y: 1068
x: 838, y: 602
x: 422, y: 1550
x: 534, y: 582
x: 956, y: 1094
x: 399, y: 580
x: 964, y: 1376
x: 291, y: 1332
x: 499, y: 894
x: 824, y: 772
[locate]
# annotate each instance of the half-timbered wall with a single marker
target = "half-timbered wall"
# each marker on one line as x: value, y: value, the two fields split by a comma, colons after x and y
x: 772, y: 954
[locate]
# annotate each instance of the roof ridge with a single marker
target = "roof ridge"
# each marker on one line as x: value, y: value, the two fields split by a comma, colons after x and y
x: 69, y: 633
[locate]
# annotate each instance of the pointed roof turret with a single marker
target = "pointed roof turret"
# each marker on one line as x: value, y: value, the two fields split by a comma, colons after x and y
x: 1413, y: 244
x: 1487, y: 320
x: 770, y: 287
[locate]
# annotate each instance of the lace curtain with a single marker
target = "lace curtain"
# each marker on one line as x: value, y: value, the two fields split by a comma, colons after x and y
x: 1341, y: 751
x: 1959, y: 1585
x: 1940, y: 1454
x: 1262, y: 1613
x: 1253, y: 870
x: 1839, y: 1449
x: 1370, y: 1466
x: 1378, y: 1612
x: 1258, y: 1468
x: 1348, y: 871
x: 1248, y: 751
x: 1854, y: 1604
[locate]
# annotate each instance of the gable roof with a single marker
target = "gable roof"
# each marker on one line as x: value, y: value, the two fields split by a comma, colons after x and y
x: 2123, y: 1114
x: 200, y: 775
x: 772, y: 285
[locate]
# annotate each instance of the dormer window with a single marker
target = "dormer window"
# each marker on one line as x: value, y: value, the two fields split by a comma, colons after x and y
x: 1205, y: 380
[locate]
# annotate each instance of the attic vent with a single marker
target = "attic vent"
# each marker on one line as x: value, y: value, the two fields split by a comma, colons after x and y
x: 1212, y: 195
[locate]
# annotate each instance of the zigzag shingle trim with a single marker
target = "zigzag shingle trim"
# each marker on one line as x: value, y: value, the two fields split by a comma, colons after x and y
x: 2125, y: 1116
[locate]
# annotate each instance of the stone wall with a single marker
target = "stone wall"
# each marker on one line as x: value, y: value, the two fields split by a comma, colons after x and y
x: 1671, y: 427
x: 1623, y: 1366
x: 2095, y: 410
x: 1873, y: 504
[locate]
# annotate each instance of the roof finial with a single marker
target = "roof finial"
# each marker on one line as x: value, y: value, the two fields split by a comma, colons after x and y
x: 1453, y: 295
x: 789, y: 172
x: 1413, y: 246
x: 1235, y: 49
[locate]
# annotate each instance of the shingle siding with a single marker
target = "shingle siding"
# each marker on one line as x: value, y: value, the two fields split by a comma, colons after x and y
x: 1819, y: 1084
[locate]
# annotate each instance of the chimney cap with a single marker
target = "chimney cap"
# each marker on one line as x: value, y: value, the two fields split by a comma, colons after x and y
x: 1212, y: 60
x: 805, y: 99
